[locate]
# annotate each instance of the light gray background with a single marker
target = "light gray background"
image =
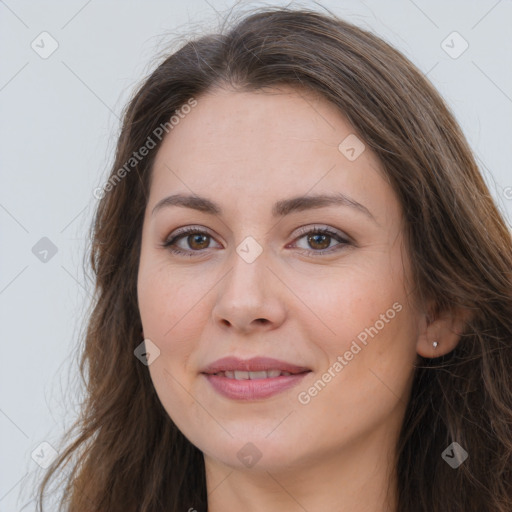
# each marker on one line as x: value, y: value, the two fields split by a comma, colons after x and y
x: 58, y: 127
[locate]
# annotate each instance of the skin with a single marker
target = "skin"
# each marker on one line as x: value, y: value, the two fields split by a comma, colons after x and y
x: 245, y: 151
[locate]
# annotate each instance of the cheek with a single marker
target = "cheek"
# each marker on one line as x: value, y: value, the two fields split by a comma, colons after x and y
x: 170, y: 324
x: 168, y: 301
x: 169, y: 311
x: 173, y: 390
x: 343, y: 304
x: 367, y: 321
x: 368, y: 369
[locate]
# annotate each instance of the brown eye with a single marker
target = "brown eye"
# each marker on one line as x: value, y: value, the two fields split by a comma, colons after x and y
x: 319, y: 241
x: 190, y: 241
x: 198, y: 241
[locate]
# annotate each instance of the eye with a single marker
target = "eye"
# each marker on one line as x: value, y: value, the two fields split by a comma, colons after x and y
x: 319, y: 238
x: 197, y: 239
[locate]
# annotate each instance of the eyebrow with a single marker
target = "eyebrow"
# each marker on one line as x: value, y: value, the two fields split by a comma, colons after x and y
x: 280, y: 208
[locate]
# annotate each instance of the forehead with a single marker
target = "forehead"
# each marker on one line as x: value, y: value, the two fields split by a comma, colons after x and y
x: 244, y: 124
x: 272, y: 144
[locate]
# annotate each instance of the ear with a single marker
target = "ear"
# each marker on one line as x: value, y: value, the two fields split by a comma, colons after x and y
x: 446, y: 330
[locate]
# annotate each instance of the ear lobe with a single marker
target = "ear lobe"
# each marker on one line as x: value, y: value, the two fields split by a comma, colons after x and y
x: 446, y: 330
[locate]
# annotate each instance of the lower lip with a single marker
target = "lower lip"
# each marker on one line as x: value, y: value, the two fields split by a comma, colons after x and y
x: 253, y: 389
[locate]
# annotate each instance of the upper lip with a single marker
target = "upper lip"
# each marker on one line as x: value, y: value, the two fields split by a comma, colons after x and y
x: 255, y: 364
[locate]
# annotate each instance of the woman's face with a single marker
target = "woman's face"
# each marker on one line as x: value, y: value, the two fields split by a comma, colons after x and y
x: 254, y: 280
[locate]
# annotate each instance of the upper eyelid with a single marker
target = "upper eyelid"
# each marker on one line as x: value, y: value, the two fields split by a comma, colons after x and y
x: 189, y: 230
x: 308, y: 228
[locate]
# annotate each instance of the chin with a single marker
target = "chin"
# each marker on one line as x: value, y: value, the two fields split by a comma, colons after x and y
x: 254, y: 449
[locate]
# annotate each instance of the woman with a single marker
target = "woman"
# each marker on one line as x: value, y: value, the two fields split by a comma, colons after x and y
x: 304, y: 289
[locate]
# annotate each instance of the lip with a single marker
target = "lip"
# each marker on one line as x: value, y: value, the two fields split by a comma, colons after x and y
x: 256, y: 389
x: 255, y: 364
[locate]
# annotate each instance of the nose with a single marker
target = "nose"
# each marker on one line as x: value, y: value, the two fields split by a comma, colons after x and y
x: 250, y: 297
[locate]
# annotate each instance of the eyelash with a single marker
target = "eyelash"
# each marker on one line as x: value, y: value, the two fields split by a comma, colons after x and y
x: 170, y: 244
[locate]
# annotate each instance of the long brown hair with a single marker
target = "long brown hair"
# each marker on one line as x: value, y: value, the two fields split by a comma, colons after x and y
x: 129, y: 455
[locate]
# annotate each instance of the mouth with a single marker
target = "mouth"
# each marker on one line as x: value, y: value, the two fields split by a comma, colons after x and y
x: 252, y: 368
x: 253, y: 379
x: 242, y: 375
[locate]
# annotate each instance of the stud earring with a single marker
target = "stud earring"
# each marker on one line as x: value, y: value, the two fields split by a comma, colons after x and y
x: 434, y: 344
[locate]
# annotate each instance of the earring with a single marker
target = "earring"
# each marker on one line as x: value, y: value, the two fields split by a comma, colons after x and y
x: 434, y: 344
